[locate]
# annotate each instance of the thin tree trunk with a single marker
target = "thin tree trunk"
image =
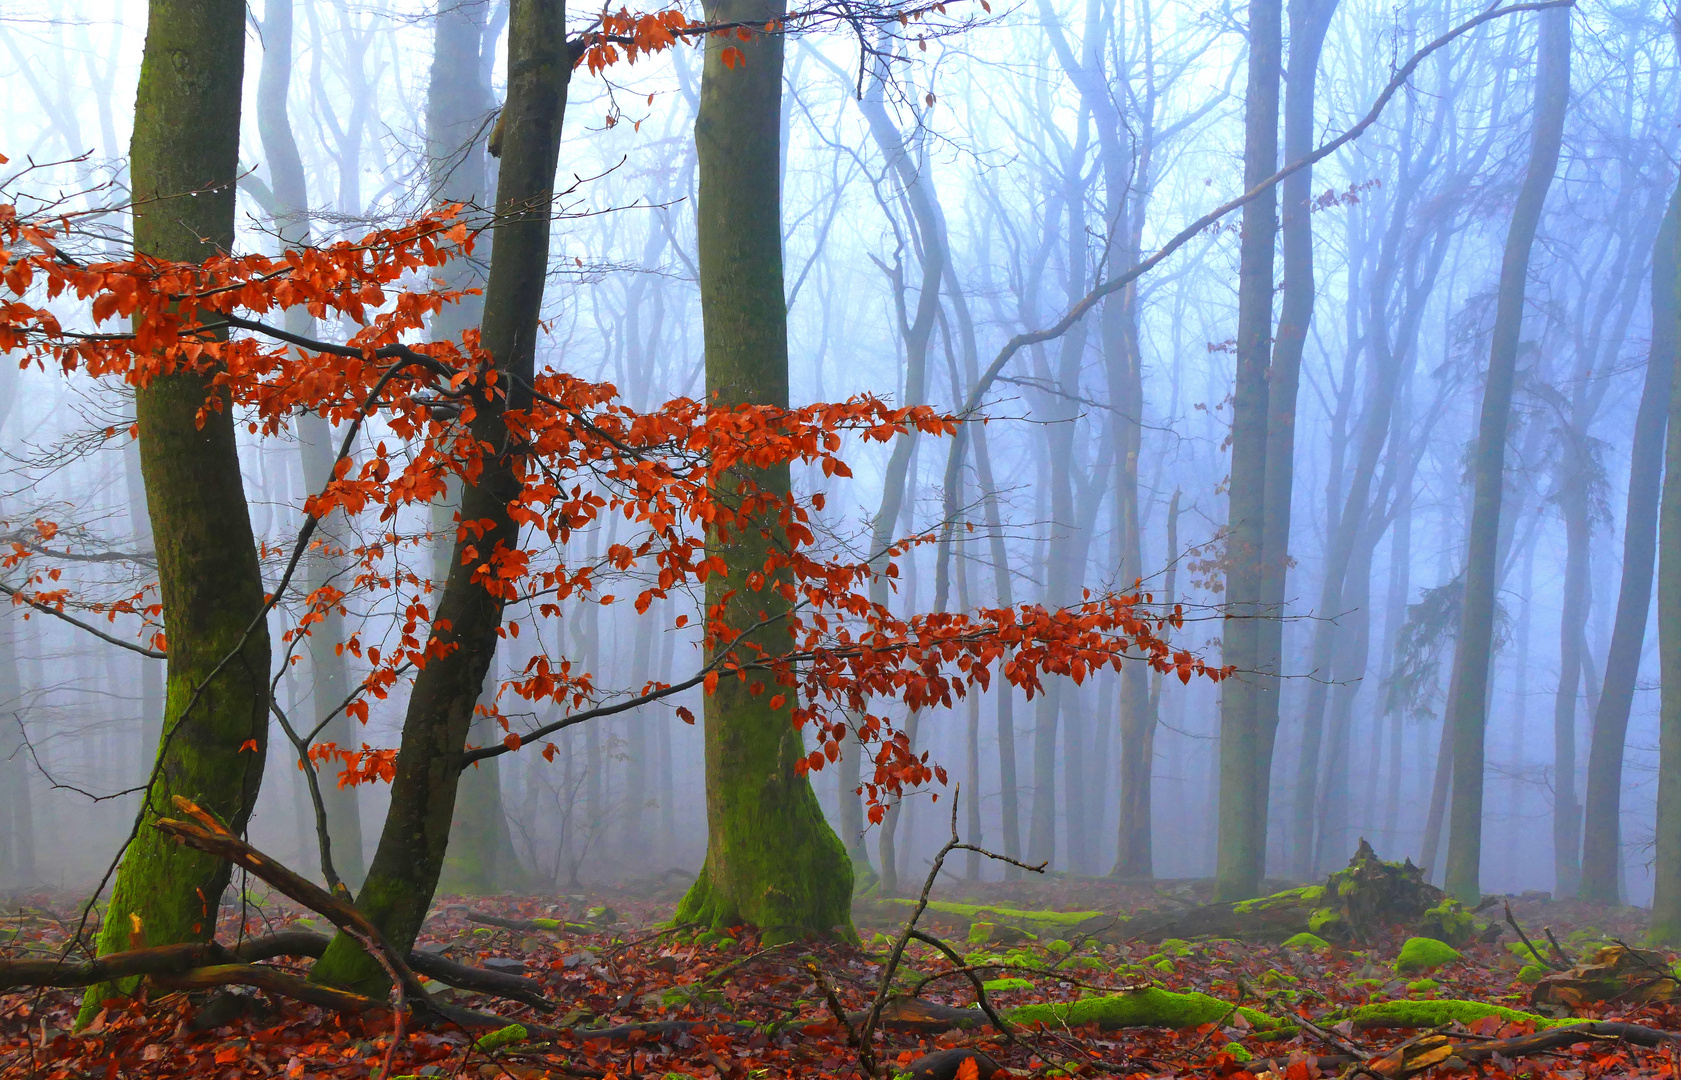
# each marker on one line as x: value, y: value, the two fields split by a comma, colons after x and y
x: 1602, y: 830
x: 1467, y: 708
x: 1666, y: 895
x: 404, y: 873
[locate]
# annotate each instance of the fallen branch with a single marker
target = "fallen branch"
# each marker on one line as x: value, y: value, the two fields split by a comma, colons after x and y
x: 184, y: 961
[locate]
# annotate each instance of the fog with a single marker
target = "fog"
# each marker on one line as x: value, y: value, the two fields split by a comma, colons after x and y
x: 978, y: 191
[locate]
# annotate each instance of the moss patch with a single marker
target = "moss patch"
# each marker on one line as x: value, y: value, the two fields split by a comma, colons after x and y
x: 1425, y: 954
x: 1307, y: 894
x: 1142, y: 1008
x: 1423, y: 986
x: 1422, y: 1014
x: 998, y: 986
x: 1307, y: 941
x: 993, y: 913
x: 1533, y: 973
x: 502, y: 1038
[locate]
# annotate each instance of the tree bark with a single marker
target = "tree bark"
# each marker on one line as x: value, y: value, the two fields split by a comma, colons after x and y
x: 1472, y: 650
x: 1241, y: 842
x: 184, y: 160
x: 771, y: 859
x: 1602, y: 831
x: 404, y: 872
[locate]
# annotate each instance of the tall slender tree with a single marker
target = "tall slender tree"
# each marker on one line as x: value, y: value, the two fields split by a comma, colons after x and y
x: 1602, y: 827
x: 1467, y: 707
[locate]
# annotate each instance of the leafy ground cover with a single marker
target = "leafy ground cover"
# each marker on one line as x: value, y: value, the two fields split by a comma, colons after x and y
x: 632, y: 996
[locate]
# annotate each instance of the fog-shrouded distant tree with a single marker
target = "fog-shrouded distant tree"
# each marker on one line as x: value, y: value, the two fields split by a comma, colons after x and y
x: 1468, y: 700
x: 1242, y: 825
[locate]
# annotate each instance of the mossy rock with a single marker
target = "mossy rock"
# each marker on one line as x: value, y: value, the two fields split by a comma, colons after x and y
x: 1425, y: 1014
x: 1447, y: 921
x: 1423, y: 986
x: 1153, y: 1007
x: 1307, y: 941
x: 678, y: 997
x: 1419, y: 954
x: 1085, y: 963
x: 1237, y: 1052
x: 980, y: 932
x: 1278, y: 978
x: 1165, y: 966
x: 1533, y: 973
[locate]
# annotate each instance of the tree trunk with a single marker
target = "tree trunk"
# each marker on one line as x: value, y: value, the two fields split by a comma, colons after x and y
x: 1467, y: 708
x: 404, y: 872
x: 771, y: 859
x: 1242, y: 837
x: 1574, y: 502
x: 184, y: 158
x: 1602, y: 832
x: 1666, y: 896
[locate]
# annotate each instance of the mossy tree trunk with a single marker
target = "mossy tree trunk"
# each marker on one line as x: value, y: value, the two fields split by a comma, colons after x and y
x: 329, y: 674
x: 184, y: 158
x: 1240, y: 854
x: 1666, y: 895
x: 1468, y: 706
x: 1602, y: 831
x: 405, y: 868
x: 771, y: 859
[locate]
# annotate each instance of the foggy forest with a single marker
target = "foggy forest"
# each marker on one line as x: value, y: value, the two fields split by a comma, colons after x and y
x: 881, y: 538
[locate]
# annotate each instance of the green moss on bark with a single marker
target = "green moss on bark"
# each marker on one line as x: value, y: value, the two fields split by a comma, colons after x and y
x: 1424, y: 1014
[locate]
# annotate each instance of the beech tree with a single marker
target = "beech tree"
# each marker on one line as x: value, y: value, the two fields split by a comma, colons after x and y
x: 183, y: 162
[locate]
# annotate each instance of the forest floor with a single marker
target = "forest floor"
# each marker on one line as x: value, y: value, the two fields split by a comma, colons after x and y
x: 609, y: 963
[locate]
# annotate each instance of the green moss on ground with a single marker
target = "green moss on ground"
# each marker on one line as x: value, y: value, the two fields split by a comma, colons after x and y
x: 1425, y: 954
x: 1532, y: 973
x: 994, y: 913
x: 998, y: 986
x: 1307, y: 941
x: 1423, y: 986
x: 1237, y: 1052
x: 1141, y: 1008
x: 1423, y: 1014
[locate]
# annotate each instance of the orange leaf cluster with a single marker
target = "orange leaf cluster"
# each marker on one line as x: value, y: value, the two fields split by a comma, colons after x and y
x: 683, y: 474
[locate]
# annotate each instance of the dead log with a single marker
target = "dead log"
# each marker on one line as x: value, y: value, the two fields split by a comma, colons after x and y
x: 1367, y: 895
